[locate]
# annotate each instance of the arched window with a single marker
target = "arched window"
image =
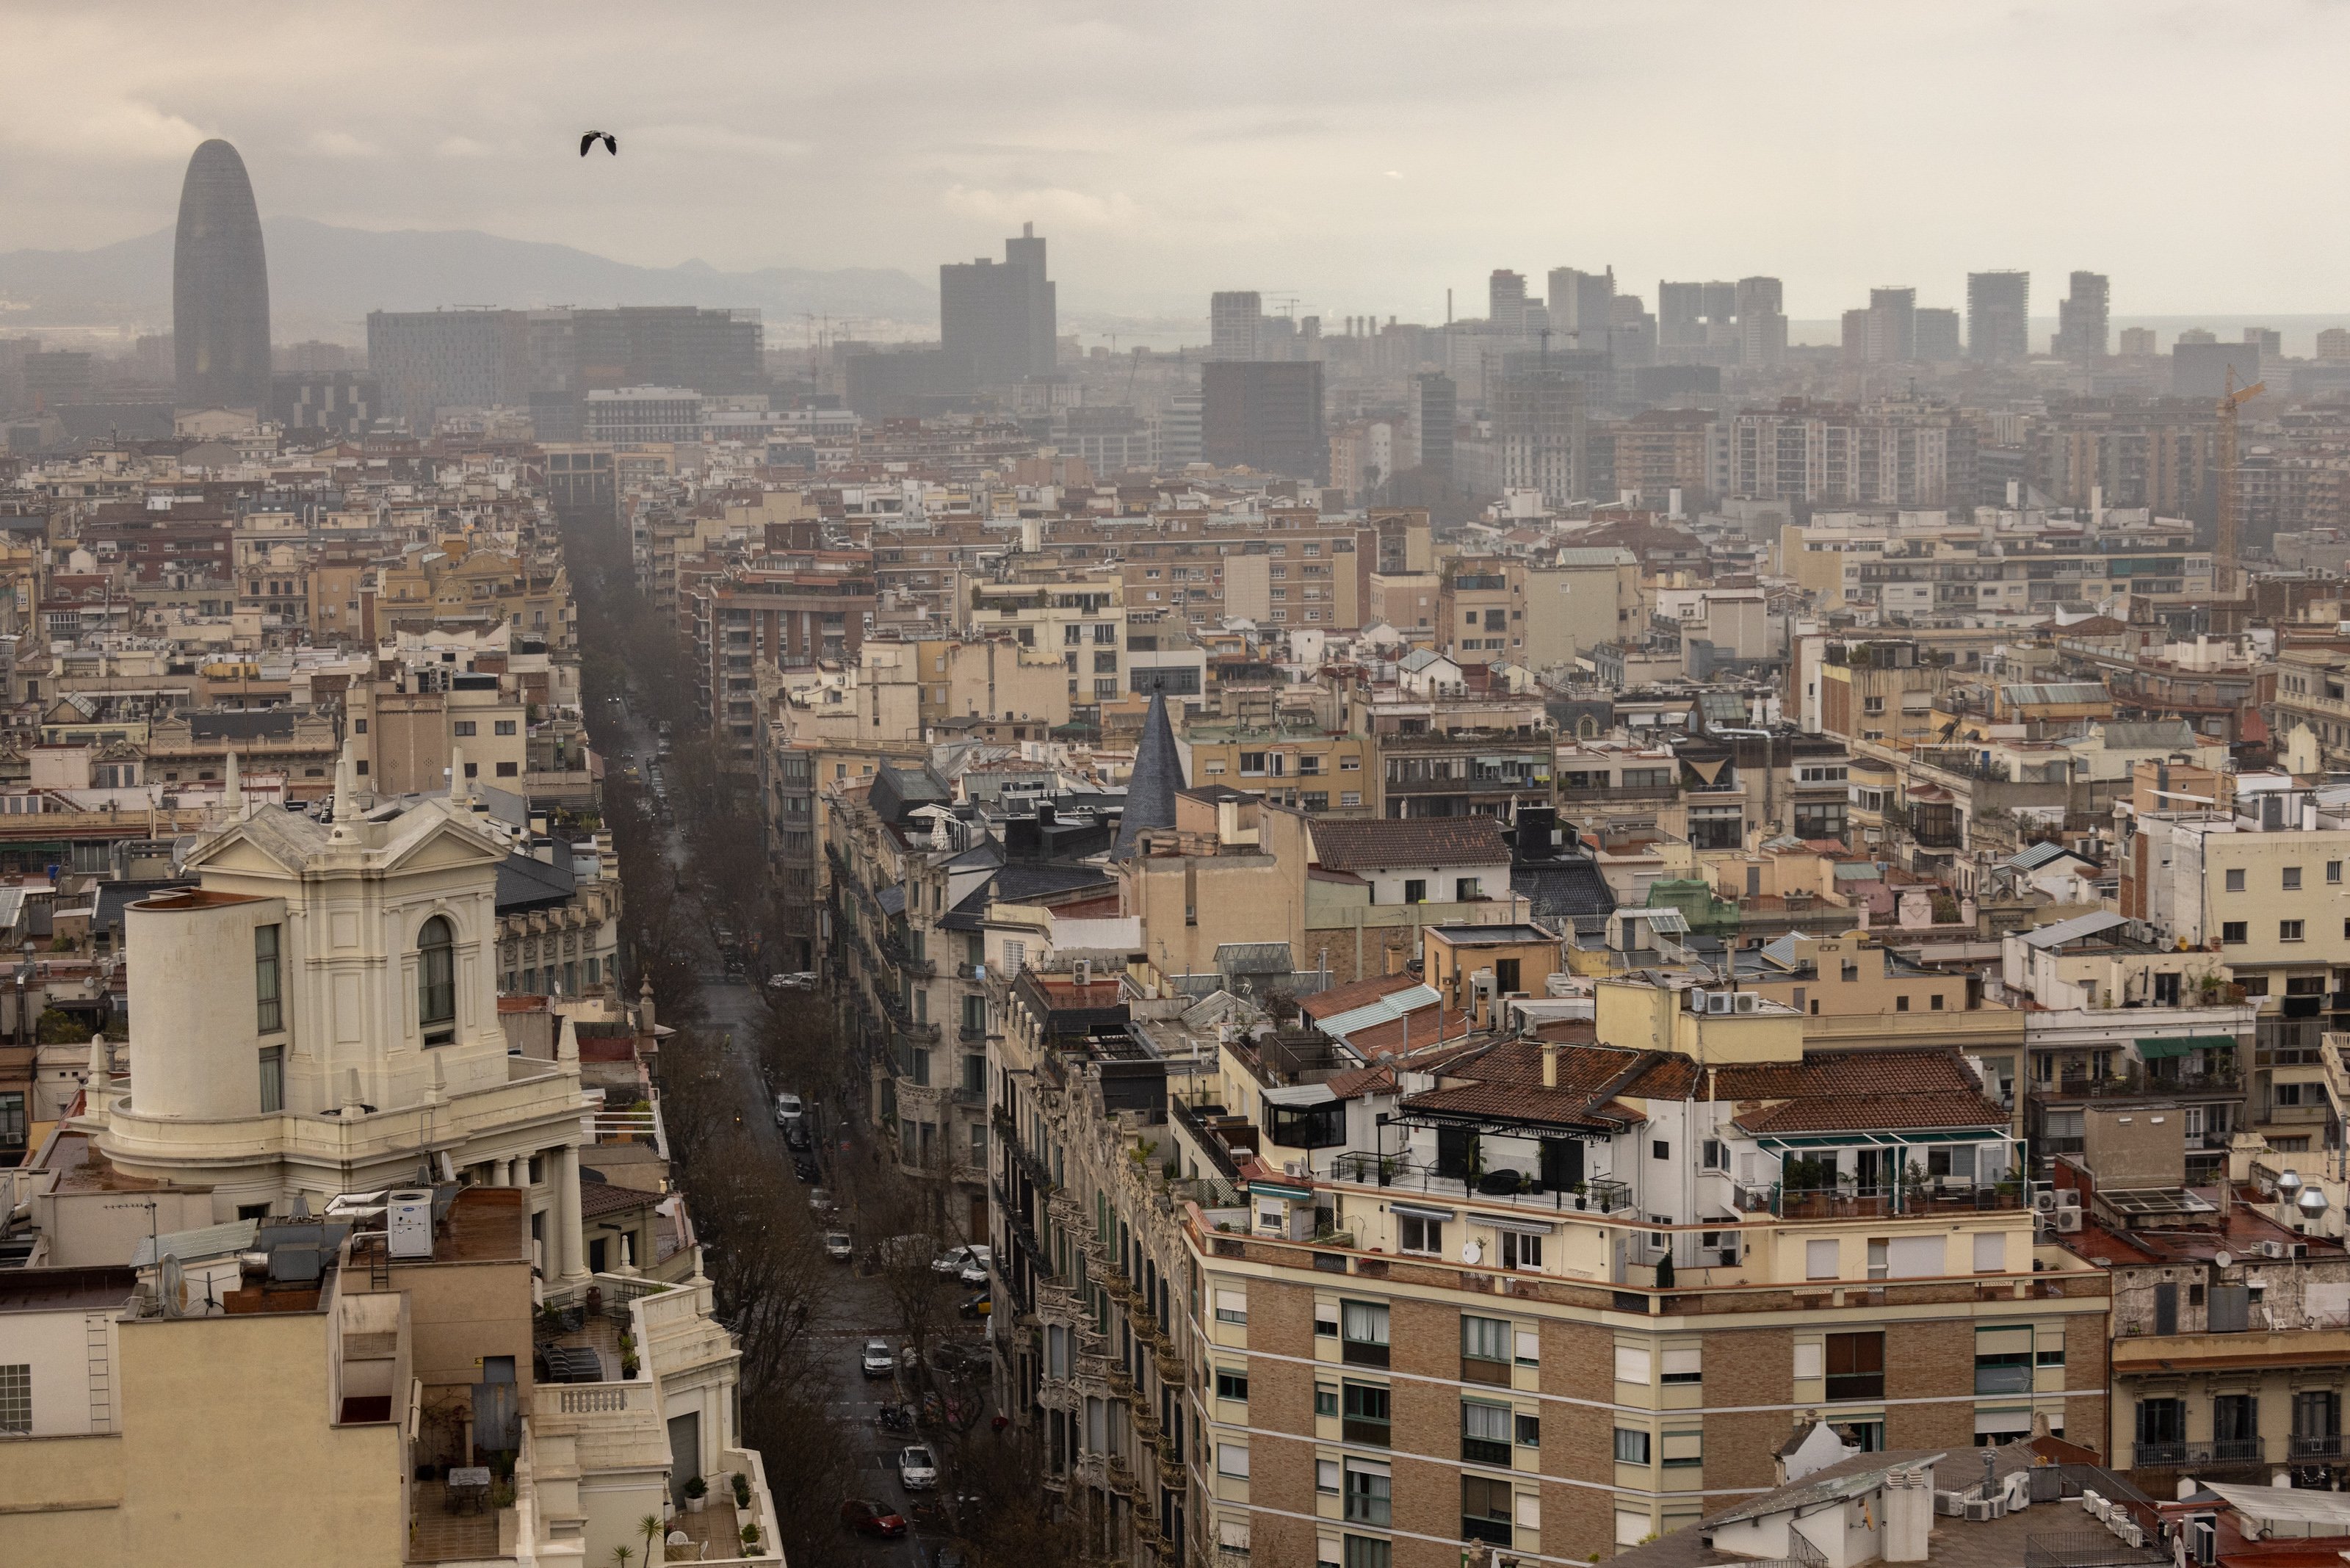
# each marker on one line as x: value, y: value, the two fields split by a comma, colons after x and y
x: 436, y: 980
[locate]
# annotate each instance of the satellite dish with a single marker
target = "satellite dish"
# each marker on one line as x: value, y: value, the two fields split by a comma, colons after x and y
x: 1472, y: 1252
x: 2222, y: 1260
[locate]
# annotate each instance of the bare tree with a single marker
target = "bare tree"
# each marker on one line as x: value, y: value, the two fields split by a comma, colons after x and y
x: 1011, y: 1520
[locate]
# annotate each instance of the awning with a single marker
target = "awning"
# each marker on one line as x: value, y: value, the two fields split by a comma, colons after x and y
x: 2163, y: 1050
x: 1885, y: 1139
x: 1523, y: 1227
x: 1295, y: 1194
x: 1300, y: 1095
x: 1420, y: 1211
x: 1706, y: 770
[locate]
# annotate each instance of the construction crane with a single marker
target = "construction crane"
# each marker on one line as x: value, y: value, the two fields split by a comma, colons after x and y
x: 2229, y: 541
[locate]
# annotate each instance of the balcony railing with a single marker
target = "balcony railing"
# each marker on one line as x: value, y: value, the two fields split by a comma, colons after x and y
x: 1600, y: 795
x: 2323, y: 1446
x: 1938, y: 1195
x: 2223, y: 1451
x: 1597, y: 1195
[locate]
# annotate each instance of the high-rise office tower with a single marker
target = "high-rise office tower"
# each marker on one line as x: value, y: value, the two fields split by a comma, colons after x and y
x: 1540, y: 428
x: 1760, y: 305
x: 1505, y: 300
x: 1435, y: 414
x: 1891, y: 333
x: 1680, y: 315
x: 1938, y: 335
x: 428, y: 359
x: 1265, y: 414
x: 2267, y: 339
x: 1631, y: 333
x: 1754, y: 296
x: 1234, y: 319
x: 2333, y: 347
x: 220, y: 287
x: 1999, y: 317
x: 2140, y: 342
x: 2083, y: 319
x: 667, y: 346
x: 1582, y: 305
x: 1002, y: 316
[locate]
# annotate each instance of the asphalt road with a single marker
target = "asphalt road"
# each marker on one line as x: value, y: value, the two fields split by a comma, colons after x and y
x: 860, y: 1308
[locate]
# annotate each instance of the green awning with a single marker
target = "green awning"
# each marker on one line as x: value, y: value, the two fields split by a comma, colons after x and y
x: 2162, y: 1050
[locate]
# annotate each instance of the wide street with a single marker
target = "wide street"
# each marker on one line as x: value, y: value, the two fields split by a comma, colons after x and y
x: 859, y: 1307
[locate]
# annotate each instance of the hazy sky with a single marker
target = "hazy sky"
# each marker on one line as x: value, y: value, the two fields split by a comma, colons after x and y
x: 1361, y: 157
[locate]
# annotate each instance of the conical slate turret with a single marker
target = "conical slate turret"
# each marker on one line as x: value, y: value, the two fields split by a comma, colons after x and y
x: 1158, y: 774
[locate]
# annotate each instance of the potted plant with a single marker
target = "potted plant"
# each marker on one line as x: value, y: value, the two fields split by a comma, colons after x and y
x: 649, y: 1527
x: 697, y: 1495
x: 594, y: 1298
x: 750, y: 1538
x: 742, y: 1489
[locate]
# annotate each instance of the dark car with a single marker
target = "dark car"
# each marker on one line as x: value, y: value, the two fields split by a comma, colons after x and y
x: 868, y: 1517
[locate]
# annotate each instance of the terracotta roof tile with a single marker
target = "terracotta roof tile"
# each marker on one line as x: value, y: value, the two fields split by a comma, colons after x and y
x: 1341, y: 999
x: 1346, y: 844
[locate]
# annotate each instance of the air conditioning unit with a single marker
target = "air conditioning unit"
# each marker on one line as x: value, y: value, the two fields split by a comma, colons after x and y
x: 2045, y: 1200
x: 2272, y: 1249
x: 1722, y: 1002
x: 1983, y: 1509
x: 2068, y: 1197
x: 1084, y: 971
x: 1950, y: 1504
x: 2068, y: 1219
x: 407, y: 1223
x: 1745, y: 1000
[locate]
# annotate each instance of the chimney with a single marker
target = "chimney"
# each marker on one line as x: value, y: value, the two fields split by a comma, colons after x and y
x: 1550, y: 1063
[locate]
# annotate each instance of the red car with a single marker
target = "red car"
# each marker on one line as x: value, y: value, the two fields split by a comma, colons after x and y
x: 872, y: 1517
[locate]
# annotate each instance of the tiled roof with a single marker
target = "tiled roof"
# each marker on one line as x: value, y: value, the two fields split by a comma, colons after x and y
x: 597, y: 1198
x: 1348, y: 845
x: 1825, y: 1092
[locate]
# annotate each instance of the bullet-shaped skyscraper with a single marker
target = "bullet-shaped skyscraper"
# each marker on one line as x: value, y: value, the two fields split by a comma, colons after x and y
x: 220, y: 287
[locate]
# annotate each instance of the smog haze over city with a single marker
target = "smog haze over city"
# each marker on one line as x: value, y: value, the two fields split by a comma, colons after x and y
x: 1063, y: 785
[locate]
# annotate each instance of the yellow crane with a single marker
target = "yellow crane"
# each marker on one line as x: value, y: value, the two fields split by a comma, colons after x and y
x: 2232, y: 398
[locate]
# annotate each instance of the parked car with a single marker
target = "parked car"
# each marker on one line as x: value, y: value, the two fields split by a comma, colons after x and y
x: 788, y: 1109
x: 918, y: 1468
x: 795, y: 1136
x: 980, y: 1305
x: 952, y: 1261
x: 805, y: 1170
x: 839, y: 1247
x: 879, y: 1360
x: 805, y: 980
x: 819, y: 1200
x: 974, y: 1265
x: 870, y: 1518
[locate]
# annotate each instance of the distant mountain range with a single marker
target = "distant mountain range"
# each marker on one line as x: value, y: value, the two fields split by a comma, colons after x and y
x: 323, y: 280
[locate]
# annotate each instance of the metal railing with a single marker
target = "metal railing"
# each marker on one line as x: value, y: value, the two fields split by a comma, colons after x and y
x: 1597, y: 1195
x: 2177, y: 1456
x: 1843, y: 1201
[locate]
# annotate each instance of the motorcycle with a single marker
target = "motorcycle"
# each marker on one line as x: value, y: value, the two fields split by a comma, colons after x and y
x: 896, y: 1418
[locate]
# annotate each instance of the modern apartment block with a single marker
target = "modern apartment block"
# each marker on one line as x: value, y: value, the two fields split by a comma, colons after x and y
x: 1549, y: 1291
x: 2083, y: 332
x: 1999, y: 317
x: 1264, y: 415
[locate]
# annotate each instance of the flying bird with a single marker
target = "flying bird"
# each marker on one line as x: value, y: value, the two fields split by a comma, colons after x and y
x: 588, y: 143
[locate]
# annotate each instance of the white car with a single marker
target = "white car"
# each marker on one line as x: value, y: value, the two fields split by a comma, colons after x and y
x: 839, y: 1247
x: 788, y: 1109
x: 879, y: 1360
x: 952, y: 1261
x: 917, y: 1469
x: 819, y: 1200
x: 974, y: 1265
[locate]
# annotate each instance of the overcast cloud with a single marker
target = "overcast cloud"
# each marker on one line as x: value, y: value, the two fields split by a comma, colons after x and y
x: 1361, y: 157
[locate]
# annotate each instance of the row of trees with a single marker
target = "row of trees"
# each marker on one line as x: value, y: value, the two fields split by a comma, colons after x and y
x: 773, y: 1287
